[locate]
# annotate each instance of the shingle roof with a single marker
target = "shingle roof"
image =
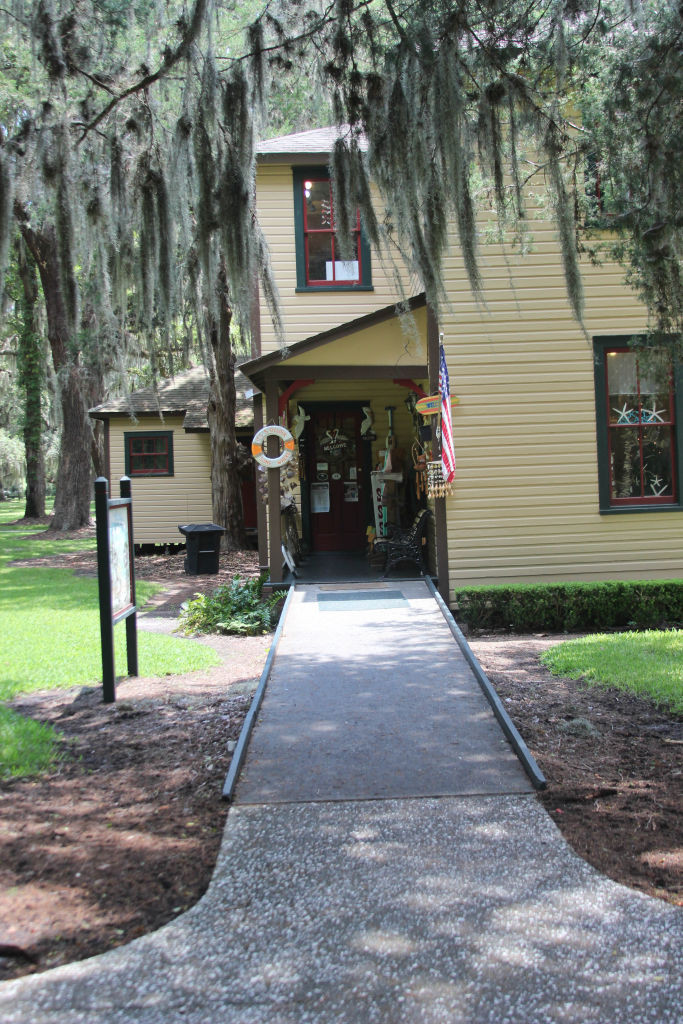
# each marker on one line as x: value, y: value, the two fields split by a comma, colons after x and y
x: 318, y: 142
x: 187, y: 393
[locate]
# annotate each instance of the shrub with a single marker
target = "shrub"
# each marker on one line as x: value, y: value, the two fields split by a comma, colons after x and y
x: 239, y: 608
x: 572, y: 607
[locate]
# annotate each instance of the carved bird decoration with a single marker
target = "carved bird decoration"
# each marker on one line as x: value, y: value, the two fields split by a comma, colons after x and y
x: 367, y: 422
x: 299, y: 421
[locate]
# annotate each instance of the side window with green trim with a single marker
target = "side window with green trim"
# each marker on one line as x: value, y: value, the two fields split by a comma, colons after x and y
x: 148, y: 453
x: 319, y: 262
x: 639, y: 409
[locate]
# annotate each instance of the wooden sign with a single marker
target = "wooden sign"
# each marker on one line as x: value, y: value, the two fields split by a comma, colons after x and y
x: 431, y: 405
x: 116, y: 578
x: 428, y: 406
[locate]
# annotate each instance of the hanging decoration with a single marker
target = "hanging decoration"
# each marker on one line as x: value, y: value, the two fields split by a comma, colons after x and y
x: 366, y: 431
x: 420, y: 458
x: 299, y: 421
x: 429, y: 406
x: 437, y: 487
x: 334, y: 443
x: 261, y: 437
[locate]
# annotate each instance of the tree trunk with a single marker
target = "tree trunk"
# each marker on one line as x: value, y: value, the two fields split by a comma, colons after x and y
x: 72, y: 496
x: 32, y: 380
x: 225, y: 464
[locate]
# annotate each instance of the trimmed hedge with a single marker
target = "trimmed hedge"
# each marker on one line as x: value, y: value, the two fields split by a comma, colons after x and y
x: 572, y: 607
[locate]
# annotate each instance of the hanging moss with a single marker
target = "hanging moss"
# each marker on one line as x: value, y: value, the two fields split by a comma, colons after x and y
x: 6, y: 224
x: 47, y: 37
x: 566, y: 225
x: 64, y: 224
x: 165, y: 247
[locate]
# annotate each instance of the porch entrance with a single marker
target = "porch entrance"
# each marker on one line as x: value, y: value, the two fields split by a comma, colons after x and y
x: 338, y: 476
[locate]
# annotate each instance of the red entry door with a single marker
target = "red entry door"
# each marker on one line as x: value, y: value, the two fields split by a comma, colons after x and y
x: 335, y: 472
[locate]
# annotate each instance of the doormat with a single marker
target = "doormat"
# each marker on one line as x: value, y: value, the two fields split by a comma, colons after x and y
x: 361, y: 600
x: 336, y: 587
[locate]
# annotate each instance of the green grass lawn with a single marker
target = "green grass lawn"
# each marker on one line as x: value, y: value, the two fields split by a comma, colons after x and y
x: 649, y: 664
x: 50, y: 637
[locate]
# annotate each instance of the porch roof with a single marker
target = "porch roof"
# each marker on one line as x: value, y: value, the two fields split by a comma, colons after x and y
x: 353, y: 357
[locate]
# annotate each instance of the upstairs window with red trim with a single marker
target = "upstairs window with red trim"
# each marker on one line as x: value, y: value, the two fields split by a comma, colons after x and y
x: 323, y: 262
x: 319, y: 259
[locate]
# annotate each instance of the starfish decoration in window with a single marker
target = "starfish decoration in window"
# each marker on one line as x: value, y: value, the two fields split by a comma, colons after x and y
x: 625, y: 414
x: 652, y: 415
x: 657, y: 486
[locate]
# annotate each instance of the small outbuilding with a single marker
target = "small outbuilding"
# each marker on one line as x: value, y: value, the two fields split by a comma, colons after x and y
x: 160, y: 439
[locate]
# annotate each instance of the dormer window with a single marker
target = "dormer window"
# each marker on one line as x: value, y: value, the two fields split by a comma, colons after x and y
x: 319, y: 261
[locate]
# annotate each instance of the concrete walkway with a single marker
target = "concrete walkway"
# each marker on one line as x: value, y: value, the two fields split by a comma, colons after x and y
x: 385, y: 861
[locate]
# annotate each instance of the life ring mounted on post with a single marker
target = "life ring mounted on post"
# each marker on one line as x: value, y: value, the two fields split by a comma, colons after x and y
x: 258, y: 444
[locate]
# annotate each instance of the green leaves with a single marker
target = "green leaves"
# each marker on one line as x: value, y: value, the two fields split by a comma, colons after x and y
x: 238, y: 608
x: 570, y: 607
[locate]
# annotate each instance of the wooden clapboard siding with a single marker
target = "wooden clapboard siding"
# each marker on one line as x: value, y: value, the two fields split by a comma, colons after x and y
x: 525, y: 502
x: 305, y: 314
x: 161, y: 504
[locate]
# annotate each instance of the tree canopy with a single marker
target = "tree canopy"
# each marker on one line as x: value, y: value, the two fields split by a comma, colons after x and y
x: 127, y: 136
x: 136, y: 131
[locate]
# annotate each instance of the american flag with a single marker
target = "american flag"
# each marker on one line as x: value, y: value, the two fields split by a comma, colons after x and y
x: 447, y: 450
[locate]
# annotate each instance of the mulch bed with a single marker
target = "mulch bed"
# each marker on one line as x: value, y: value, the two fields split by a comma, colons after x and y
x: 123, y: 836
x: 613, y: 762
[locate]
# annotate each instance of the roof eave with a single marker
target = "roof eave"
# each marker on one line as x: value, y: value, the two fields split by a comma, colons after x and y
x: 255, y: 369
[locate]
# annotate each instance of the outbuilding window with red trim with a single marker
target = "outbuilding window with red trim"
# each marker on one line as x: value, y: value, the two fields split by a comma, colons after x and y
x: 149, y: 453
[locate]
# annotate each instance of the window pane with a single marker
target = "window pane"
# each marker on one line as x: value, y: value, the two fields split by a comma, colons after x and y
x: 318, y: 205
x: 346, y: 270
x: 625, y: 449
x: 657, y: 462
x: 149, y: 455
x: 319, y: 256
x: 622, y: 383
x: 655, y: 393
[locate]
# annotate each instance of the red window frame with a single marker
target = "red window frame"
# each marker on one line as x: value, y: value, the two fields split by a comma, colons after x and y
x: 134, y: 469
x: 644, y: 498
x: 330, y: 231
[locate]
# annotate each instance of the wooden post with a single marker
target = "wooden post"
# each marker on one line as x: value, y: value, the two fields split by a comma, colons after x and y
x: 104, y: 583
x: 261, y: 517
x: 274, y: 513
x: 440, y: 522
x: 131, y: 620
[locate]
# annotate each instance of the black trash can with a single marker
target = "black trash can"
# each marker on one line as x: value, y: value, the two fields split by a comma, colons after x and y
x: 203, y: 543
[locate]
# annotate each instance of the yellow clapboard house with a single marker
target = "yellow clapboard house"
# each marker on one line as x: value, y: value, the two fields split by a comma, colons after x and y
x: 569, y: 453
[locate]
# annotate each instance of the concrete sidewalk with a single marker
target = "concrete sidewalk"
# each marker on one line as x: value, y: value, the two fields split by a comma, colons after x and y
x: 340, y: 895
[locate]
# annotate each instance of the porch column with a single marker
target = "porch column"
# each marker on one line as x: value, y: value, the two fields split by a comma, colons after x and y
x: 440, y: 525
x: 274, y: 522
x: 261, y: 518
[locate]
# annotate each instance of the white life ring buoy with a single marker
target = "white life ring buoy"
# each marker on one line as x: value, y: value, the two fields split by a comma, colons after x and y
x: 288, y: 446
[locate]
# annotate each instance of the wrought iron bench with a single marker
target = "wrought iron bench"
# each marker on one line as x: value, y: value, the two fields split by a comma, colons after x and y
x: 407, y: 545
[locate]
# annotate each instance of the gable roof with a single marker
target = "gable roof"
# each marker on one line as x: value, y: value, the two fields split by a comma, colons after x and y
x: 187, y: 392
x: 257, y: 369
x: 313, y: 146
